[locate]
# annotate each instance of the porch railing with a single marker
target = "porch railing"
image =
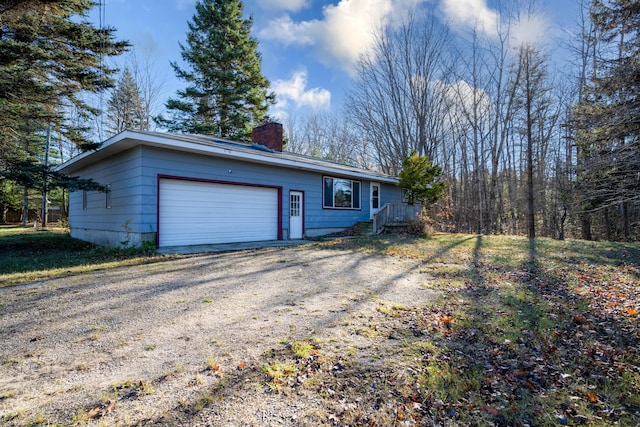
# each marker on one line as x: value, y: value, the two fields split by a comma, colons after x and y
x: 394, y: 214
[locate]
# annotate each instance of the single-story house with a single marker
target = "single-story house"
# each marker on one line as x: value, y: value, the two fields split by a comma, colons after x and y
x: 178, y: 189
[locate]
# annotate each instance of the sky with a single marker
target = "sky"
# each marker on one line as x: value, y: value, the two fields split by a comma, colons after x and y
x: 309, y: 47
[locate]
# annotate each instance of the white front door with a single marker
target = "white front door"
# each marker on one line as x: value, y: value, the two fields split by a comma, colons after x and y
x: 296, y: 207
x: 375, y: 198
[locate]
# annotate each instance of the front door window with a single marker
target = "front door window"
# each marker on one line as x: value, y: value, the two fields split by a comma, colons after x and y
x: 375, y: 198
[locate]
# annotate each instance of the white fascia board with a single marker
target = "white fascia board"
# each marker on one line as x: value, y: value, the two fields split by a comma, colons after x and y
x: 81, y: 159
x: 129, y: 139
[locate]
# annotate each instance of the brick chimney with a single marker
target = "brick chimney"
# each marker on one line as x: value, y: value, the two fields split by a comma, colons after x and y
x: 268, y: 134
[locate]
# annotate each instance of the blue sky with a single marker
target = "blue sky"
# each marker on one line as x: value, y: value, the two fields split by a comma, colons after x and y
x: 309, y: 47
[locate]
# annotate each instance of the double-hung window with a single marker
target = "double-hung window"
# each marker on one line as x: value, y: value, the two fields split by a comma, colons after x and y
x: 341, y: 193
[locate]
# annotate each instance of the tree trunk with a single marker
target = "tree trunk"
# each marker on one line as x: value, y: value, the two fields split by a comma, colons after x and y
x: 607, y: 223
x: 531, y: 224
x: 625, y: 221
x: 25, y: 206
x: 586, y: 226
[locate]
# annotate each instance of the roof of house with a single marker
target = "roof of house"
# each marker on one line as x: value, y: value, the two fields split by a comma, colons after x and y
x: 217, y: 147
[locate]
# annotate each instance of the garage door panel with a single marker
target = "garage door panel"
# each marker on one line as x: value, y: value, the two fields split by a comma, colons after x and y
x: 193, y: 213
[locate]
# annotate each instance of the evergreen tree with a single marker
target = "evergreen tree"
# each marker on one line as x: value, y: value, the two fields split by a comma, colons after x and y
x: 49, y: 56
x: 419, y: 180
x: 226, y: 93
x: 125, y: 108
x: 608, y: 119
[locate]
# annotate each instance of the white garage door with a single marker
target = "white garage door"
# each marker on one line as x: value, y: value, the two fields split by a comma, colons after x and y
x: 196, y: 213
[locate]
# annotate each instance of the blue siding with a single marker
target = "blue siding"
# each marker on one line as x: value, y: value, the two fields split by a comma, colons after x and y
x: 123, y: 172
x: 390, y: 194
x: 163, y: 162
x: 134, y: 188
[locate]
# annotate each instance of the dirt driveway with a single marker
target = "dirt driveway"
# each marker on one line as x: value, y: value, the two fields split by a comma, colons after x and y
x: 184, y: 341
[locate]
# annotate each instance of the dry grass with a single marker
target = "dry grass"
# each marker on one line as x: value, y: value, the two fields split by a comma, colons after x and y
x: 523, y: 332
x: 28, y: 254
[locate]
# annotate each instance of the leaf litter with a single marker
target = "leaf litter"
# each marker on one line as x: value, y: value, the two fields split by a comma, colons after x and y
x: 550, y: 342
x: 532, y: 339
x: 545, y: 344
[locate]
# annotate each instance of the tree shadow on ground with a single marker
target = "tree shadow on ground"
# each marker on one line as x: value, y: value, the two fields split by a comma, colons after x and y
x: 509, y: 344
x: 520, y: 347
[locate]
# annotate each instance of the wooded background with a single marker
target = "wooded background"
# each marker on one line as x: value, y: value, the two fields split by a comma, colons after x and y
x: 528, y: 143
x: 525, y: 147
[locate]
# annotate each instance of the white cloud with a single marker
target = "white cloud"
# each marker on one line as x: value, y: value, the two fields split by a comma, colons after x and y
x: 295, y: 90
x: 471, y: 14
x: 292, y: 5
x: 530, y: 30
x: 345, y: 31
x: 285, y: 30
x: 462, y: 97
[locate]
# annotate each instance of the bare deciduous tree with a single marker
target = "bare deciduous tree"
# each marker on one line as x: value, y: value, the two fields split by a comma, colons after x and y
x: 327, y: 136
x: 398, y: 99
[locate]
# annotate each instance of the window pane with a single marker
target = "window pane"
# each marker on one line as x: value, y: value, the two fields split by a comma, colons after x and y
x: 356, y: 195
x: 295, y: 205
x: 328, y: 192
x: 375, y: 197
x: 342, y: 193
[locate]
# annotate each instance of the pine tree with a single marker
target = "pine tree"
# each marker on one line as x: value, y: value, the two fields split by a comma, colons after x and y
x: 49, y: 56
x: 226, y: 93
x: 125, y: 108
x: 420, y: 180
x: 608, y: 119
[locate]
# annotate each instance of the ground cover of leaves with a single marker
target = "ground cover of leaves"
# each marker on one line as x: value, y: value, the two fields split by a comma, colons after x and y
x: 518, y: 333
x: 527, y: 333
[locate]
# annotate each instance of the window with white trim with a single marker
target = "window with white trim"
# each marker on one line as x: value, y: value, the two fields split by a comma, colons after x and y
x: 341, y: 193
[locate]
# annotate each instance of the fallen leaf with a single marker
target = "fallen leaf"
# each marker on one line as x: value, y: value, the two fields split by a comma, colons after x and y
x: 110, y: 406
x: 490, y: 410
x: 632, y: 311
x: 93, y: 413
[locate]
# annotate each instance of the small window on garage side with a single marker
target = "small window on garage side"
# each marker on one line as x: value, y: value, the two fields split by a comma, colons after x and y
x: 84, y: 199
x: 107, y: 194
x: 340, y: 193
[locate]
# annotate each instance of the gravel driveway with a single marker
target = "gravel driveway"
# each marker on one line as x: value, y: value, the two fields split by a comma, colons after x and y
x: 130, y: 346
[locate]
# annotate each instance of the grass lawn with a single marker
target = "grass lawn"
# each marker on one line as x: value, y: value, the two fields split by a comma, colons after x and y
x: 28, y: 254
x: 536, y: 333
